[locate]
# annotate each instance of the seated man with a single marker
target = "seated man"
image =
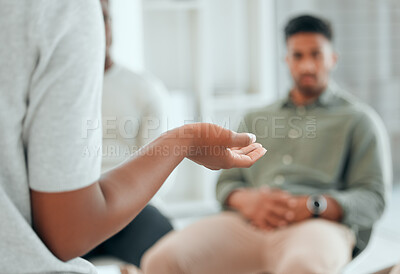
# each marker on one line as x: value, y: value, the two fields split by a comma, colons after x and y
x: 134, y: 109
x: 310, y: 205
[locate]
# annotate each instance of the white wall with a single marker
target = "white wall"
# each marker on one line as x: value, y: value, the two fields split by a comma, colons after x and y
x: 127, y: 29
x: 213, y: 55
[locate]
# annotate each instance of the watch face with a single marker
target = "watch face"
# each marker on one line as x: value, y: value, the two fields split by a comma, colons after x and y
x: 316, y: 204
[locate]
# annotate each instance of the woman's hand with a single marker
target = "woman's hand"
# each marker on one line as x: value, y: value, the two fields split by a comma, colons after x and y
x: 216, y: 147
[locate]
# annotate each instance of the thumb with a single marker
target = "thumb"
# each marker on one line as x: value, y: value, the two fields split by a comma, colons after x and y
x: 241, y: 139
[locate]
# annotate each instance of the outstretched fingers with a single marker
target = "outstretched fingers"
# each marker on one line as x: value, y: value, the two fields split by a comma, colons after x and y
x: 241, y: 139
x: 249, y: 158
x: 247, y: 149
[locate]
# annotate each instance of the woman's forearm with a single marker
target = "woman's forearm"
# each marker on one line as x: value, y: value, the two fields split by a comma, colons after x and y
x: 72, y: 223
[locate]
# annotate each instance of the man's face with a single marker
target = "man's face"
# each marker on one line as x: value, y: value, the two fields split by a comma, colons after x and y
x: 310, y: 59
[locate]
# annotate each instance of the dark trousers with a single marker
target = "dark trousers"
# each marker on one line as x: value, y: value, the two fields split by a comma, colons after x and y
x: 133, y: 241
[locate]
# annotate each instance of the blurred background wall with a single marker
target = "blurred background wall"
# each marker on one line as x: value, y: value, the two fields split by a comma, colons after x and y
x: 219, y: 58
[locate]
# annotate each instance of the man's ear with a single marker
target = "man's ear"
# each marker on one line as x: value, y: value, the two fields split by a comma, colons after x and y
x: 330, y: 54
x: 287, y: 58
x: 333, y: 60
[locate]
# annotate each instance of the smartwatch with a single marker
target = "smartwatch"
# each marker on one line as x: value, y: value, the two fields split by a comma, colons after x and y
x: 317, y: 205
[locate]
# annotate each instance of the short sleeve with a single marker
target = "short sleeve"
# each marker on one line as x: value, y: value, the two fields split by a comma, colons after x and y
x: 62, y: 128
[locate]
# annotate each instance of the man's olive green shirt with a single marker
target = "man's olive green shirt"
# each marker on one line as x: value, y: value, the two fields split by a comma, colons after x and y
x: 336, y: 146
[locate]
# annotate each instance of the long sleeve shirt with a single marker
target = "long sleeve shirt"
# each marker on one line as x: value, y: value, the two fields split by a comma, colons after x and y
x: 336, y: 146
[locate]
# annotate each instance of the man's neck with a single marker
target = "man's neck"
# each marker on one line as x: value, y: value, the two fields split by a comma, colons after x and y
x: 301, y: 99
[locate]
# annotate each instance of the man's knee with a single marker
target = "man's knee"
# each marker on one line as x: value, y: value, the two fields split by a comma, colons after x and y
x: 304, y: 261
x: 317, y: 246
x: 199, y: 248
x: 161, y: 260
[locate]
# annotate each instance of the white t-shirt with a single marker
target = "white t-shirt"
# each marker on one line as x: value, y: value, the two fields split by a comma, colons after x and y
x: 134, y: 110
x: 52, y: 55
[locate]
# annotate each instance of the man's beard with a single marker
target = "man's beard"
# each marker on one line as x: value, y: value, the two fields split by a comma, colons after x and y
x: 308, y: 90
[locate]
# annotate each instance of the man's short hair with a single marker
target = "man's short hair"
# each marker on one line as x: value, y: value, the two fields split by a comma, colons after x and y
x: 308, y: 23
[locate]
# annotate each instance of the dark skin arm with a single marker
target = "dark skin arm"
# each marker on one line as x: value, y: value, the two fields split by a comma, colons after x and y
x: 72, y: 223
